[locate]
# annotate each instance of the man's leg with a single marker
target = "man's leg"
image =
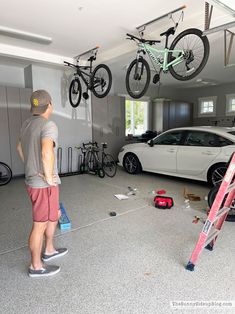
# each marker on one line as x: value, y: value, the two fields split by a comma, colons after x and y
x: 35, y: 243
x: 49, y: 236
x: 54, y: 216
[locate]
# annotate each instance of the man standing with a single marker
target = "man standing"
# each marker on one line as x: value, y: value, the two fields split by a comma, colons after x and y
x: 37, y: 146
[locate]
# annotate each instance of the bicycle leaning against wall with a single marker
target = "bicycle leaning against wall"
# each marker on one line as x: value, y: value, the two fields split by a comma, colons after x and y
x: 98, y: 81
x: 185, y: 59
x: 96, y: 160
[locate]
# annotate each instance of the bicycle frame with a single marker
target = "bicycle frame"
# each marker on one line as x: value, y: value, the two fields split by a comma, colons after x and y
x: 86, y: 77
x: 160, y: 56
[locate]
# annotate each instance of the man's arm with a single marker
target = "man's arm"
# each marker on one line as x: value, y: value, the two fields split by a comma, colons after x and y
x: 48, y: 159
x: 20, y: 151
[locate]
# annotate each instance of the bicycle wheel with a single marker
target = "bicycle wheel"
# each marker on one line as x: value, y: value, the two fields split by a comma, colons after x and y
x: 5, y: 173
x: 109, y: 165
x: 137, y: 78
x: 101, y: 81
x: 75, y: 92
x: 101, y: 173
x: 91, y: 162
x: 196, y: 52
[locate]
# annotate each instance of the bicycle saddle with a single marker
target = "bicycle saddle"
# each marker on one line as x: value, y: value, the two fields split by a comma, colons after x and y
x: 170, y: 31
x: 92, y: 58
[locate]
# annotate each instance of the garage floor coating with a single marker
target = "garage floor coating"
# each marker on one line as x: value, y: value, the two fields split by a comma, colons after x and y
x: 131, y: 263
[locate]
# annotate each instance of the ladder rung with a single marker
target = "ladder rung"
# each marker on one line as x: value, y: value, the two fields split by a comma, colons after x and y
x: 231, y: 187
x: 212, y: 236
x: 221, y: 212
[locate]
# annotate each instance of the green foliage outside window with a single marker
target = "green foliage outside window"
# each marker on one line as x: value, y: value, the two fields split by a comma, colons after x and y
x: 134, y: 117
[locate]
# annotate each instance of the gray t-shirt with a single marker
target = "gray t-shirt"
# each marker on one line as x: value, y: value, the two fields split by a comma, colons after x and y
x: 32, y: 132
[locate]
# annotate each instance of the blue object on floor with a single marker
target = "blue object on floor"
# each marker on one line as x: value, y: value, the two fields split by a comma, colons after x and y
x: 64, y: 221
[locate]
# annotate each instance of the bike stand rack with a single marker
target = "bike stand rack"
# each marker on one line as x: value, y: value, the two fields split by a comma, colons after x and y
x: 93, y: 50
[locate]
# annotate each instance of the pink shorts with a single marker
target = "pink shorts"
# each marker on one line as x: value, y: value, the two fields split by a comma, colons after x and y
x: 45, y: 203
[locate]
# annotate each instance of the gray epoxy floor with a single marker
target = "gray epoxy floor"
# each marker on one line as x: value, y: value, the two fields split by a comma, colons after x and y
x: 131, y: 263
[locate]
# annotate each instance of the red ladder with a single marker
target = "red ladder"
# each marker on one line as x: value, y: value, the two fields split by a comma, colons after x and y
x: 217, y: 215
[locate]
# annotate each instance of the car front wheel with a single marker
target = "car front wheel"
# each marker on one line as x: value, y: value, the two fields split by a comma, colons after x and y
x: 131, y: 164
x: 216, y: 174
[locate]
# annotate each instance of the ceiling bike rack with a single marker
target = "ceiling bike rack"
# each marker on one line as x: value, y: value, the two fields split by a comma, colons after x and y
x: 92, y: 51
x: 142, y: 27
x: 228, y: 42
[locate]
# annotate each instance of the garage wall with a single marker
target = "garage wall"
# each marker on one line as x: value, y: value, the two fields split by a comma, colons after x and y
x: 193, y: 94
x: 11, y: 76
x: 74, y: 124
x: 14, y: 109
x: 109, y: 122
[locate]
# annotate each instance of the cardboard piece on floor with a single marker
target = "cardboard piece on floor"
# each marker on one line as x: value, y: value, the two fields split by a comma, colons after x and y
x: 121, y: 196
x: 191, y: 196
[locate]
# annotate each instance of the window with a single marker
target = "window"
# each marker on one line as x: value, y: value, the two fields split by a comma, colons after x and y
x: 207, y: 106
x: 136, y: 117
x: 197, y: 138
x: 230, y: 104
x: 169, y: 138
x: 223, y: 141
x: 206, y: 139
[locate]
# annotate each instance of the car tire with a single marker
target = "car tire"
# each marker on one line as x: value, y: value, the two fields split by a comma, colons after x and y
x: 211, y: 196
x: 216, y: 174
x: 132, y: 164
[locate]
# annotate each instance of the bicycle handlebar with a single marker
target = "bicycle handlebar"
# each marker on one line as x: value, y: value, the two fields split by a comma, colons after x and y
x: 70, y: 64
x: 142, y: 40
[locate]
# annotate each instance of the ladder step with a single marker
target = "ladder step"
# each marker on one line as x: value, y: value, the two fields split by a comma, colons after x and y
x: 230, y: 188
x: 212, y: 236
x: 221, y: 212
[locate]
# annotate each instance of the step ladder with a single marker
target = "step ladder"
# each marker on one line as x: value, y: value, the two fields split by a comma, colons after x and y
x: 217, y: 215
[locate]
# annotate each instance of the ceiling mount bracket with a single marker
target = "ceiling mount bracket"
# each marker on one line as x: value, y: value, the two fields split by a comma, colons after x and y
x: 227, y: 51
x: 169, y: 14
x: 92, y: 51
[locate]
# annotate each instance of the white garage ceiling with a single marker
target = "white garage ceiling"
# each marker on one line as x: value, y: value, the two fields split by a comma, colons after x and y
x: 78, y: 25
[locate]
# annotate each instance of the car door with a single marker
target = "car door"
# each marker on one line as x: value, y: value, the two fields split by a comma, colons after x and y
x: 161, y: 156
x: 198, y: 151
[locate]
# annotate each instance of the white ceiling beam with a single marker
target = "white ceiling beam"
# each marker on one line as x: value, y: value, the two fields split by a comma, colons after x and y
x: 16, y: 33
x: 35, y: 55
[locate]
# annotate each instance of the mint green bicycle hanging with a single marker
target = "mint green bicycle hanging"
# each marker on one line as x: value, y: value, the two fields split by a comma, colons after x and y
x: 185, y: 59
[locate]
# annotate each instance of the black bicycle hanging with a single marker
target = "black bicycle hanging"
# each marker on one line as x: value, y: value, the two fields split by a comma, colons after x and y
x: 98, y: 81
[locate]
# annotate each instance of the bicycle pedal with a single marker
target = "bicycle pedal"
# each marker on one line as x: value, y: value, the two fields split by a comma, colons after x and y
x: 156, y: 78
x: 85, y: 95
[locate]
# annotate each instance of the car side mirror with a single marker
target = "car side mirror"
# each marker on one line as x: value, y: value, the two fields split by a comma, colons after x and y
x: 150, y: 142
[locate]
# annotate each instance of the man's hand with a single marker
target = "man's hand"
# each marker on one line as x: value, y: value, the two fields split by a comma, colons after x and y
x: 52, y: 181
x: 20, y: 151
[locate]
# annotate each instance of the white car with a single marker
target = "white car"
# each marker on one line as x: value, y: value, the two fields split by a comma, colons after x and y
x: 199, y: 153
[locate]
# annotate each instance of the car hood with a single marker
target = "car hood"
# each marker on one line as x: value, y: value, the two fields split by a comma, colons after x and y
x: 135, y: 145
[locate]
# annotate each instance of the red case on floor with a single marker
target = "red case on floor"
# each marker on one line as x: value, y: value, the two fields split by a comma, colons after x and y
x: 163, y: 202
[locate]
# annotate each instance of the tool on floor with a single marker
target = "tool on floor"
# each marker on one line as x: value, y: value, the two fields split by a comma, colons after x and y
x: 163, y: 202
x: 160, y: 192
x: 64, y: 221
x: 112, y: 214
x: 131, y: 191
x: 217, y: 215
x: 197, y: 219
